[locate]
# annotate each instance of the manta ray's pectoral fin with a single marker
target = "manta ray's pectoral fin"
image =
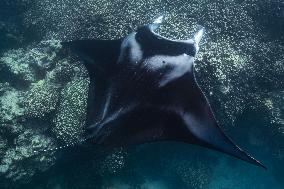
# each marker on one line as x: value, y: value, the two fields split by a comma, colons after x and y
x: 98, y: 55
x: 203, y: 130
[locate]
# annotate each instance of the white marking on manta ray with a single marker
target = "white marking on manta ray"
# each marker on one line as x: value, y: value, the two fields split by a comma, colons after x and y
x: 112, y: 117
x: 159, y: 20
x: 180, y: 65
x: 197, y: 38
x: 157, y: 23
x: 107, y: 103
x: 135, y: 49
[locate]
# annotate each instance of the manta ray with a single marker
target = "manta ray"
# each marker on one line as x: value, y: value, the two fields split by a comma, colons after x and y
x: 143, y: 89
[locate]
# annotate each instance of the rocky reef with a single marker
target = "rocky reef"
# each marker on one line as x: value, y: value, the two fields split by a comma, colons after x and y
x: 43, y: 105
x: 236, y: 38
x: 71, y: 112
x: 43, y: 91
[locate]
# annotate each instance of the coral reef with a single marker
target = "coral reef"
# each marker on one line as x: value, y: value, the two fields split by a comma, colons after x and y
x: 17, y: 63
x: 235, y: 40
x: 12, y: 163
x: 9, y: 106
x: 37, y: 87
x: 274, y: 103
x: 114, y: 162
x: 193, y: 172
x: 71, y: 112
x: 41, y: 99
x: 27, y: 65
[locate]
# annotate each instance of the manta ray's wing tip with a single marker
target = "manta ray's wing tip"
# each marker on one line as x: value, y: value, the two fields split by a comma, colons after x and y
x: 254, y: 161
x: 239, y: 153
x: 159, y: 20
x: 198, y: 36
x: 258, y: 163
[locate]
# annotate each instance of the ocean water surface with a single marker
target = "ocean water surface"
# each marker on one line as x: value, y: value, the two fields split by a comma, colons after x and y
x: 44, y: 92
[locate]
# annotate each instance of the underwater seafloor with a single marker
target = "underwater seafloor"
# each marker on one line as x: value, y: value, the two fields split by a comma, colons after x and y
x: 43, y: 92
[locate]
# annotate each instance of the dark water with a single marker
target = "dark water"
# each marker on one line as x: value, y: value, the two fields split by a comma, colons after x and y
x: 245, y: 89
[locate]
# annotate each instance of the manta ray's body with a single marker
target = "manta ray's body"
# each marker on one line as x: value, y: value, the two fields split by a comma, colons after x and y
x: 143, y: 89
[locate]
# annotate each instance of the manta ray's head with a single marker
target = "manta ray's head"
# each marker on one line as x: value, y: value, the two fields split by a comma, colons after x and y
x: 171, y: 58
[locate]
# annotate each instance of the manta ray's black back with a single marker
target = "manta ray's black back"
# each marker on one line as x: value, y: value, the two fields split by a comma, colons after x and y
x: 143, y: 89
